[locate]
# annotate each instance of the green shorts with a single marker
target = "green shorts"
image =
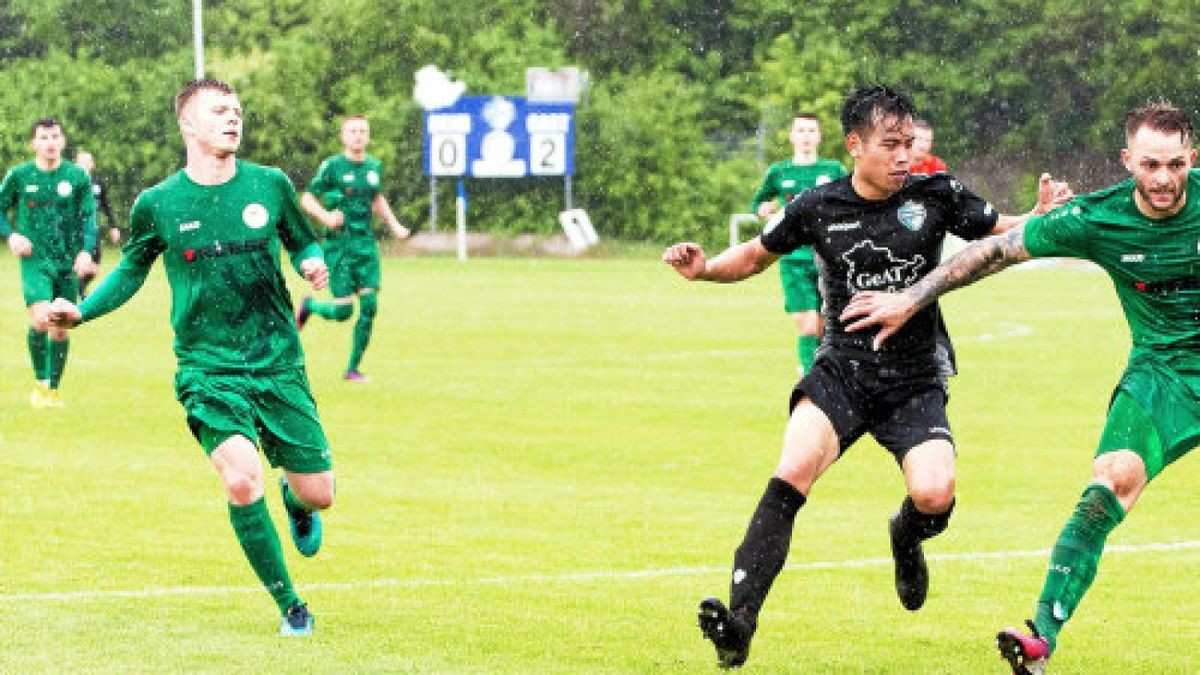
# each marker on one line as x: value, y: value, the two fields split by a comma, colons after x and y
x: 801, y: 292
x: 274, y: 410
x: 1154, y: 413
x: 43, y: 281
x: 353, y: 266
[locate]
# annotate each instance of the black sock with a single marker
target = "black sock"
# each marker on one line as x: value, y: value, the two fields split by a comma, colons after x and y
x: 764, y: 550
x: 914, y: 525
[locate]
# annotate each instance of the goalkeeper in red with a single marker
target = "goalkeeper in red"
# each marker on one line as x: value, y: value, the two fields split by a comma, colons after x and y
x: 343, y: 196
x: 1144, y: 233
x: 219, y: 225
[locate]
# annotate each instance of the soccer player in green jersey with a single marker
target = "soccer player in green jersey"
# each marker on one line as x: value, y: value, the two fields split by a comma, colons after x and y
x: 1145, y: 233
x: 344, y: 195
x: 219, y: 225
x: 55, y: 230
x: 797, y: 271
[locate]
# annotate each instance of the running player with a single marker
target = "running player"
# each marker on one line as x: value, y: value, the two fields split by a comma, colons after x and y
x: 56, y: 229
x: 877, y: 229
x: 343, y: 196
x: 797, y: 271
x: 1143, y: 232
x: 85, y: 161
x: 218, y: 225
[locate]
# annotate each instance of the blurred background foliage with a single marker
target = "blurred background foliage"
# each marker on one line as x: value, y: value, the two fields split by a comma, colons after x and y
x: 686, y: 102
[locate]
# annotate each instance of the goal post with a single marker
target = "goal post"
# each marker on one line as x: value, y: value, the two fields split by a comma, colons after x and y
x: 736, y: 221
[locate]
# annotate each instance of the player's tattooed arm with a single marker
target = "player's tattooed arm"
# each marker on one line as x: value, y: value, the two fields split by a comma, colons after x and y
x: 976, y: 261
x: 888, y: 312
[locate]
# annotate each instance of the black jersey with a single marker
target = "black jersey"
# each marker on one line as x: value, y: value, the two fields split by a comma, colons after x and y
x: 884, y: 245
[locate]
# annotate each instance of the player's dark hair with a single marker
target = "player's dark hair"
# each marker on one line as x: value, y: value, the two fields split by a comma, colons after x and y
x: 866, y: 107
x: 191, y: 88
x: 805, y: 115
x: 44, y: 123
x: 1159, y: 116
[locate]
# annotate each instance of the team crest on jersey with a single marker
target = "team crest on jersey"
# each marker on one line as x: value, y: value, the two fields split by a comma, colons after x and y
x: 373, y: 178
x: 255, y: 216
x: 64, y: 188
x: 911, y: 215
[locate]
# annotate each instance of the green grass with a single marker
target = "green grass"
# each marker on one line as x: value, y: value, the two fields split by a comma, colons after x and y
x: 552, y: 464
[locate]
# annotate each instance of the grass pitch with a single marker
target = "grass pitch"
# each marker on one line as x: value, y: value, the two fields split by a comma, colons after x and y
x: 552, y: 464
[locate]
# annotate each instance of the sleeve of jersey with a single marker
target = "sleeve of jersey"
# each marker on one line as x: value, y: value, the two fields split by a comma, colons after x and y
x: 294, y: 229
x: 766, y: 191
x: 136, y: 258
x: 1060, y: 233
x: 977, y: 218
x: 316, y: 186
x: 7, y: 197
x: 786, y: 233
x: 87, y: 212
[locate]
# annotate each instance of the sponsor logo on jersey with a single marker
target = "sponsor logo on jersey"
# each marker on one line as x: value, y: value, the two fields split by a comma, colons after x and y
x: 1133, y: 257
x: 843, y: 227
x: 64, y: 188
x: 911, y: 215
x: 255, y: 216
x: 189, y: 226
x: 218, y: 249
x: 875, y: 268
x: 372, y: 178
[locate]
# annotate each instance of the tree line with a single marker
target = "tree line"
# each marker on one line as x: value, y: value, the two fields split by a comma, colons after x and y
x: 685, y: 103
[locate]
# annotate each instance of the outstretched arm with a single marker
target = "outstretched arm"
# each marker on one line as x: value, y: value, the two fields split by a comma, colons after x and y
x: 734, y: 264
x: 890, y: 311
x: 1051, y: 195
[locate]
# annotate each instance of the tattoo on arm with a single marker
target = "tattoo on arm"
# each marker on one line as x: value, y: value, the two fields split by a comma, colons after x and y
x: 978, y: 260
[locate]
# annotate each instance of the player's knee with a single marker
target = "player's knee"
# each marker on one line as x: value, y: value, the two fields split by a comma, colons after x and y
x: 933, y: 497
x: 242, y: 488
x: 1123, y: 472
x: 368, y: 304
x: 342, y: 311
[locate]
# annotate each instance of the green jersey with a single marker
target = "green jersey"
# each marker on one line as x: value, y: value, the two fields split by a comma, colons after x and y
x: 349, y: 187
x: 784, y: 180
x: 55, y: 209
x: 230, y: 306
x: 1154, y: 264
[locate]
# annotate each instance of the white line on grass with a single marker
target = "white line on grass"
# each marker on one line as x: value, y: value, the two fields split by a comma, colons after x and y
x: 560, y: 578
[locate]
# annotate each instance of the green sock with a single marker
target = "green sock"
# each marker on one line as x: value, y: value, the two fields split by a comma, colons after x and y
x: 58, y: 361
x: 328, y: 309
x: 362, y: 329
x: 38, y: 354
x: 806, y: 347
x: 256, y: 533
x: 1075, y: 557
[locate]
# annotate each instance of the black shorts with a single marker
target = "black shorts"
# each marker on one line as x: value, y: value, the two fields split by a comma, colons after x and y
x: 900, y: 407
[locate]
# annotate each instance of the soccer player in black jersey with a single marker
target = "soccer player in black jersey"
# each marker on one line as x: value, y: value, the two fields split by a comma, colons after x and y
x: 87, y: 162
x: 878, y: 228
